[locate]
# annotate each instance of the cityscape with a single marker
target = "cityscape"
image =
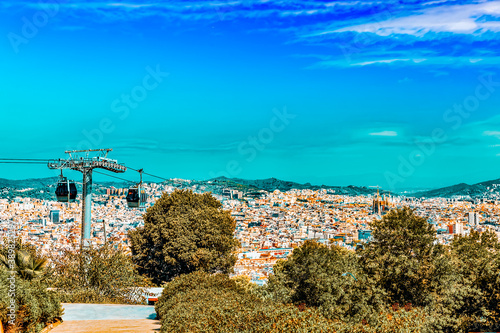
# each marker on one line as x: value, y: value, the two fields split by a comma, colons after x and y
x: 269, y: 225
x: 249, y: 166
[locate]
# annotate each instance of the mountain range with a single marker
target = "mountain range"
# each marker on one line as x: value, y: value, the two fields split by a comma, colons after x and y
x: 487, y: 188
x: 272, y: 184
x: 491, y: 187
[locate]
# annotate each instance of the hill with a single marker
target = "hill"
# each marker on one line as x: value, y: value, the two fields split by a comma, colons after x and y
x: 28, y: 183
x: 272, y: 184
x: 44, y: 188
x: 486, y: 189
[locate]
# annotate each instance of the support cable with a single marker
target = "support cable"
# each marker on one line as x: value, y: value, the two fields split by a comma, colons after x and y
x: 105, y: 174
x: 145, y: 173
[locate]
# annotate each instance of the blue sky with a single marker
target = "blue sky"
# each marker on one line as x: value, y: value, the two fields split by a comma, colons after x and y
x: 401, y: 94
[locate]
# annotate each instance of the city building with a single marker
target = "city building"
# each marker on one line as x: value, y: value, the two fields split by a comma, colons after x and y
x: 474, y: 218
x: 54, y: 216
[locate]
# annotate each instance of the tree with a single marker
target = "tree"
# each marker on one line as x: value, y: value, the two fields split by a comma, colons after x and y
x: 405, y: 259
x: 477, y: 260
x: 184, y: 232
x: 327, y: 278
x: 97, y: 275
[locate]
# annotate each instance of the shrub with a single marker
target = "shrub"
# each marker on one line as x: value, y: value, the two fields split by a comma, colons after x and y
x: 97, y: 275
x: 36, y: 306
x: 200, y: 302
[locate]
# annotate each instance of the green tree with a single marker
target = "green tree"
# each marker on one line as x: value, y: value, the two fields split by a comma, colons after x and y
x: 97, y: 275
x: 184, y: 232
x: 405, y: 259
x: 315, y: 275
x: 477, y: 260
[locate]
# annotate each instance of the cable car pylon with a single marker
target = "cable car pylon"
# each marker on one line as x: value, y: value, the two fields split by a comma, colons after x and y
x: 79, y: 160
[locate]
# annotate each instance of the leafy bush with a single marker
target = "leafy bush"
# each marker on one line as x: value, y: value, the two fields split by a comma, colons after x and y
x: 97, y: 275
x: 200, y: 302
x: 36, y: 306
x: 26, y: 265
x: 393, y: 320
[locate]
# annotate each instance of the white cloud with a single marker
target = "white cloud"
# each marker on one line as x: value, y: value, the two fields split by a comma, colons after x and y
x: 385, y: 133
x: 491, y: 133
x: 429, y: 61
x: 458, y: 19
x: 384, y: 61
x: 129, y: 5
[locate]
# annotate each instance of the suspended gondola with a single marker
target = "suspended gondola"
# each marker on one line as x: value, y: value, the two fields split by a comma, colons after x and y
x: 66, y: 190
x: 137, y: 197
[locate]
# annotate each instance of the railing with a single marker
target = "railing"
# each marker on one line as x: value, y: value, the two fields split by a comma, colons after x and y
x: 86, y: 163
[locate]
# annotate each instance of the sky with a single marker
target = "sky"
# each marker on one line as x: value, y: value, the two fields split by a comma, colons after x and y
x: 401, y: 94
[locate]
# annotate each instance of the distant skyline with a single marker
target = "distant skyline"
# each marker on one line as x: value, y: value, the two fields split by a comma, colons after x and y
x: 401, y: 94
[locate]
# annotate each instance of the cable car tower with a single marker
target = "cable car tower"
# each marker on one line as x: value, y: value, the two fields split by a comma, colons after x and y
x: 80, y: 160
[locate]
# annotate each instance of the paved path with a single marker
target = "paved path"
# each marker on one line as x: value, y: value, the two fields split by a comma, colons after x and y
x: 108, y: 326
x: 83, y: 318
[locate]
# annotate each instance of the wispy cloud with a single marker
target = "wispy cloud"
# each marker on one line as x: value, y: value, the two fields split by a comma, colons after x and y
x: 434, y: 60
x: 492, y: 133
x: 458, y: 19
x: 362, y: 33
x: 129, y: 5
x: 384, y: 133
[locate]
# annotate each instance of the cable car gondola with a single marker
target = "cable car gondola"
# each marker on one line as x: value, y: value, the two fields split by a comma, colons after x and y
x: 66, y: 190
x: 137, y: 197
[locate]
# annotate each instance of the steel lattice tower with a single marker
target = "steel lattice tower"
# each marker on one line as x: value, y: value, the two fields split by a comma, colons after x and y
x: 79, y: 160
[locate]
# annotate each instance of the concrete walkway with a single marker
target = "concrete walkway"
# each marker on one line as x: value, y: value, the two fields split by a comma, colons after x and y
x: 83, y: 318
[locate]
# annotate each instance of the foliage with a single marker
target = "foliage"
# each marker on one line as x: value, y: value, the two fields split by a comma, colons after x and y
x: 440, y: 292
x: 32, y: 264
x: 393, y: 320
x: 314, y: 275
x: 97, y: 275
x: 184, y: 232
x: 404, y: 258
x: 200, y: 302
x: 477, y: 261
x: 25, y: 264
x: 36, y: 307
